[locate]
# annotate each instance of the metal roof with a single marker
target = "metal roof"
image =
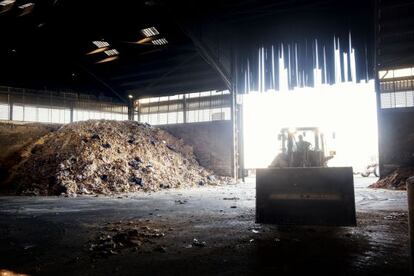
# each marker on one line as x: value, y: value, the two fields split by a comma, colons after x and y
x: 147, y: 47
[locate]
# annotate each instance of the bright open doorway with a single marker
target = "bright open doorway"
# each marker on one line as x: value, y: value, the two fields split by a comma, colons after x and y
x: 345, y: 112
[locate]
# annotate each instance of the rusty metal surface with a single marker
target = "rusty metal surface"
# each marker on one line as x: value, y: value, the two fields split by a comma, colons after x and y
x: 305, y: 196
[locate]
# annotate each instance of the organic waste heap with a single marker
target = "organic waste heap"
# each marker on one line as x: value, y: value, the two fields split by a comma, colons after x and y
x: 396, y: 180
x: 108, y: 157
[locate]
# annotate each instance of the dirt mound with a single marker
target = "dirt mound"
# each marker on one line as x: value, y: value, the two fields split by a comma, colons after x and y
x: 107, y: 157
x: 396, y: 180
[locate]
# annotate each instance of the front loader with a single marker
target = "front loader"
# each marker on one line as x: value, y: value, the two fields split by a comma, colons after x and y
x: 299, y: 188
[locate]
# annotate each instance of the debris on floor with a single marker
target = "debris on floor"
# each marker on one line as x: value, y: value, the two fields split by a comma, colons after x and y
x: 198, y: 243
x: 179, y: 201
x: 116, y: 237
x: 231, y: 198
x: 109, y: 157
x: 63, y: 241
x: 396, y: 180
x: 396, y: 216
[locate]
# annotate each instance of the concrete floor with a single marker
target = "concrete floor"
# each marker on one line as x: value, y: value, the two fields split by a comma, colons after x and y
x: 53, y: 235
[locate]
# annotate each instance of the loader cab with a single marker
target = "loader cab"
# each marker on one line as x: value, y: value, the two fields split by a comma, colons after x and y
x: 292, y: 136
x: 317, y: 151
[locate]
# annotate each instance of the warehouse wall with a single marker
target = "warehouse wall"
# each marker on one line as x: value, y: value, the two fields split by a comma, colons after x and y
x: 212, y: 143
x: 397, y: 139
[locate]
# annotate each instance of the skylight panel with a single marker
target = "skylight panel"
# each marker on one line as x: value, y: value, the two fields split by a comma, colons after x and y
x: 6, y: 5
x: 26, y: 6
x: 100, y: 43
x: 112, y: 52
x: 148, y: 32
x: 160, y: 41
x: 7, y: 2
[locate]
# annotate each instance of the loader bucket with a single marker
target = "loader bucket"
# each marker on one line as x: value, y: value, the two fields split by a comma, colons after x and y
x: 305, y: 196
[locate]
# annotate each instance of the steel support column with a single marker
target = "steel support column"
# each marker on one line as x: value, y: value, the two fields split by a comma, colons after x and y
x: 410, y: 195
x: 184, y: 109
x: 71, y: 114
x: 378, y: 90
x: 10, y: 100
x: 130, y: 110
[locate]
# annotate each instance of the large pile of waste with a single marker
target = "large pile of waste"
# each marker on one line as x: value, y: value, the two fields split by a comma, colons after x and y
x: 396, y: 180
x: 14, y: 138
x: 107, y: 157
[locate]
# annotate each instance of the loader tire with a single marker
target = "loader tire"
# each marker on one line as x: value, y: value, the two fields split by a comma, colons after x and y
x: 365, y: 174
x: 376, y: 171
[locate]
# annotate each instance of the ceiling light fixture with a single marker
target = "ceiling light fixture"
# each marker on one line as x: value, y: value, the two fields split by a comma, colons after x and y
x: 144, y: 40
x: 99, y: 50
x: 108, y: 59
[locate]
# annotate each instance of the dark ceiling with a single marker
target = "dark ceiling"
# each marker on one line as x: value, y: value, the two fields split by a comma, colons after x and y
x: 47, y: 47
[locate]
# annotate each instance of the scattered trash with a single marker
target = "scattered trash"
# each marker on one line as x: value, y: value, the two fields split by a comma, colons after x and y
x: 179, y: 201
x: 122, y: 235
x: 171, y: 147
x: 26, y: 247
x: 394, y: 216
x: 231, y: 198
x: 197, y: 243
x: 135, y: 163
x: 255, y: 231
x: 136, y: 180
x: 211, y: 178
x: 233, y: 207
x: 95, y: 136
x: 164, y: 186
x: 106, y: 146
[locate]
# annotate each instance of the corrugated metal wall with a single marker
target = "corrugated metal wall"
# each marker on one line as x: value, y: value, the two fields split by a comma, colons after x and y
x: 395, y: 82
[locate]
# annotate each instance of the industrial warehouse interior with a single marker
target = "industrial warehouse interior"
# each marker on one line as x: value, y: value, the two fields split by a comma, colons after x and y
x: 246, y: 137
